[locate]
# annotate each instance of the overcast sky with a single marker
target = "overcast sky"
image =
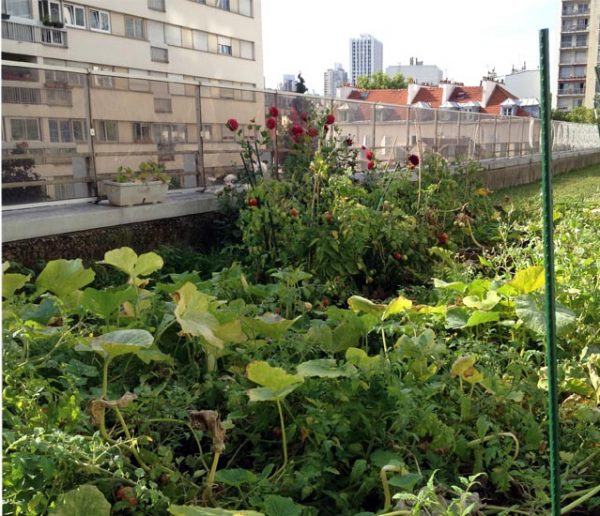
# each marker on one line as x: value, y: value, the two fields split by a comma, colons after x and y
x: 465, y: 38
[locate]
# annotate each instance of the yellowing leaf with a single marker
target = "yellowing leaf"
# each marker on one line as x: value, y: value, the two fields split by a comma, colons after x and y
x: 193, y: 315
x: 362, y: 304
x: 461, y: 364
x: 276, y: 383
x: 400, y: 304
x: 529, y: 280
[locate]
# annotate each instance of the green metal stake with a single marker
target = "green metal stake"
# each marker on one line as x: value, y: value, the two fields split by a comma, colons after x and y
x: 549, y: 274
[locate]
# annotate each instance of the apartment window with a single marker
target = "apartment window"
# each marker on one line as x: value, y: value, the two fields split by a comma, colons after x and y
x: 99, y: 20
x: 245, y: 7
x: 507, y: 111
x: 247, y: 49
x: 169, y: 133
x: 156, y: 32
x: 173, y: 35
x: 18, y: 8
x: 66, y: 131
x: 200, y: 40
x: 138, y: 84
x: 159, y: 55
x: 223, y: 4
x: 24, y: 129
x: 103, y: 81
x: 224, y: 45
x: 162, y: 105
x: 141, y: 132
x: 157, y: 5
x: 49, y: 10
x: 134, y: 27
x: 227, y: 91
x: 74, y: 15
x: 176, y: 88
x: 107, y: 131
x: 581, y: 40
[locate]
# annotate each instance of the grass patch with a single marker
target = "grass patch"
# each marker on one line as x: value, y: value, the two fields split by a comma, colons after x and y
x: 580, y: 187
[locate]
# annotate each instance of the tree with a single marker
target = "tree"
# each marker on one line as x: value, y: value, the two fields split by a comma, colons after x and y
x: 381, y: 81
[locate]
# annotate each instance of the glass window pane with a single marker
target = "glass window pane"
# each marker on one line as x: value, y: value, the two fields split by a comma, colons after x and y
x: 200, y: 40
x: 33, y: 131
x: 65, y: 131
x: 53, y: 127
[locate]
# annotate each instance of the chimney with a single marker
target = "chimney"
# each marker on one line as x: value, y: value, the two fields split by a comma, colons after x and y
x: 411, y: 61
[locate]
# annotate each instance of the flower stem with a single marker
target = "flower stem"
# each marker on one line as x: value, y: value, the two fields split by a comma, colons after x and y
x: 211, y: 476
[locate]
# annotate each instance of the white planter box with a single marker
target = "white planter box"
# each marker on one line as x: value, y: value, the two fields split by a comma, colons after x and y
x: 131, y: 194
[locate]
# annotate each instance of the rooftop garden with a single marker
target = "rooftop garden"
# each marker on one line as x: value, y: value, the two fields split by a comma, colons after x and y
x: 368, y: 341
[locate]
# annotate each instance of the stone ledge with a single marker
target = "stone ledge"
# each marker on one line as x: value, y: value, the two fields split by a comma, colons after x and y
x: 49, y: 219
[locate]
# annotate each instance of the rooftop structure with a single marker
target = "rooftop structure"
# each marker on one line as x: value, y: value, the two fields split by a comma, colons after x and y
x: 417, y: 71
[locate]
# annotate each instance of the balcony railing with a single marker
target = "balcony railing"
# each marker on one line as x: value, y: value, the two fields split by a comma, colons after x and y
x: 580, y: 27
x: 576, y: 12
x: 572, y: 91
x: 48, y: 96
x: 157, y: 5
x: 34, y: 34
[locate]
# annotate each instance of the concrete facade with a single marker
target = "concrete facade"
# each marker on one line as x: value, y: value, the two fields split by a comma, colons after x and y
x: 418, y: 72
x: 578, y: 54
x: 366, y: 57
x: 91, y: 86
x: 333, y: 79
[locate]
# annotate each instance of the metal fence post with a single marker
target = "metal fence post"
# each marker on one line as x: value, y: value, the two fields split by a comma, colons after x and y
x: 200, y: 171
x: 90, y: 133
x: 435, y: 130
x: 373, y: 128
x: 495, y: 134
x: 408, y: 117
x: 509, y: 137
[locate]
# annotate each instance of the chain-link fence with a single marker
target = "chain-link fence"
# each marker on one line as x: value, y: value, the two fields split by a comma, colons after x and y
x: 66, y: 129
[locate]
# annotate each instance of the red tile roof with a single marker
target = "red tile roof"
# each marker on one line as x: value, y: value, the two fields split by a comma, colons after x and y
x: 433, y: 96
x: 467, y: 94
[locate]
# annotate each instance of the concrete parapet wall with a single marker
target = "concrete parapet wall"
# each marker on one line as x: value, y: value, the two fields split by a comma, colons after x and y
x: 507, y: 172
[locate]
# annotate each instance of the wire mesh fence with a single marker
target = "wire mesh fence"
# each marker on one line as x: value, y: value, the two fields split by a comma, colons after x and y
x: 65, y: 130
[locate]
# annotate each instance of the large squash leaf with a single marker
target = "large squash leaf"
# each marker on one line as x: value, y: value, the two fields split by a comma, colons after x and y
x: 85, y: 500
x: 61, y: 277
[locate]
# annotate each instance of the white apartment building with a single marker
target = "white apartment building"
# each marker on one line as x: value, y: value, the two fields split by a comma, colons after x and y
x: 75, y: 124
x: 366, y: 56
x: 334, y: 78
x: 579, y: 49
x: 418, y: 72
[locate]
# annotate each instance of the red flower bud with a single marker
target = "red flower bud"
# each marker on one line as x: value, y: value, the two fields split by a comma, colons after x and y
x: 363, y: 147
x: 371, y: 165
x: 369, y: 155
x: 312, y: 132
x: 232, y: 124
x: 304, y: 116
x: 348, y: 141
x: 271, y: 123
x: 413, y: 159
x: 274, y: 111
x: 297, y: 130
x: 330, y: 119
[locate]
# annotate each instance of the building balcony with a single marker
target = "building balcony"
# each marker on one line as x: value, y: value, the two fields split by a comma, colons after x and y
x: 574, y: 28
x: 571, y: 91
x: 573, y: 77
x: 575, y: 12
x: 48, y: 96
x: 17, y: 31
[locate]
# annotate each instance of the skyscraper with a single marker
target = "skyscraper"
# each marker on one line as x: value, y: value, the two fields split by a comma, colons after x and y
x: 334, y: 78
x: 579, y: 47
x: 366, y: 56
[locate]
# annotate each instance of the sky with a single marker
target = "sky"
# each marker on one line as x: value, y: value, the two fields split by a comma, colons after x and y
x: 465, y: 38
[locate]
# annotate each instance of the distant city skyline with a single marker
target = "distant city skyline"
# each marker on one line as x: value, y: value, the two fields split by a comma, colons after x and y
x: 462, y: 40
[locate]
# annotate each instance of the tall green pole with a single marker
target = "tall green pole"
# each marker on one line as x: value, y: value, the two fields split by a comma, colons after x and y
x: 549, y: 273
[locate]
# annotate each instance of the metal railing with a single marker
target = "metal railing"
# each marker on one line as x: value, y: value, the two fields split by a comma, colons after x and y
x: 33, y: 33
x: 53, y: 154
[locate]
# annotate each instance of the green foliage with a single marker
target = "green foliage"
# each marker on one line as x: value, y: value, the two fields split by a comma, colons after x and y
x: 147, y: 171
x: 579, y: 115
x: 430, y: 401
x: 381, y: 81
